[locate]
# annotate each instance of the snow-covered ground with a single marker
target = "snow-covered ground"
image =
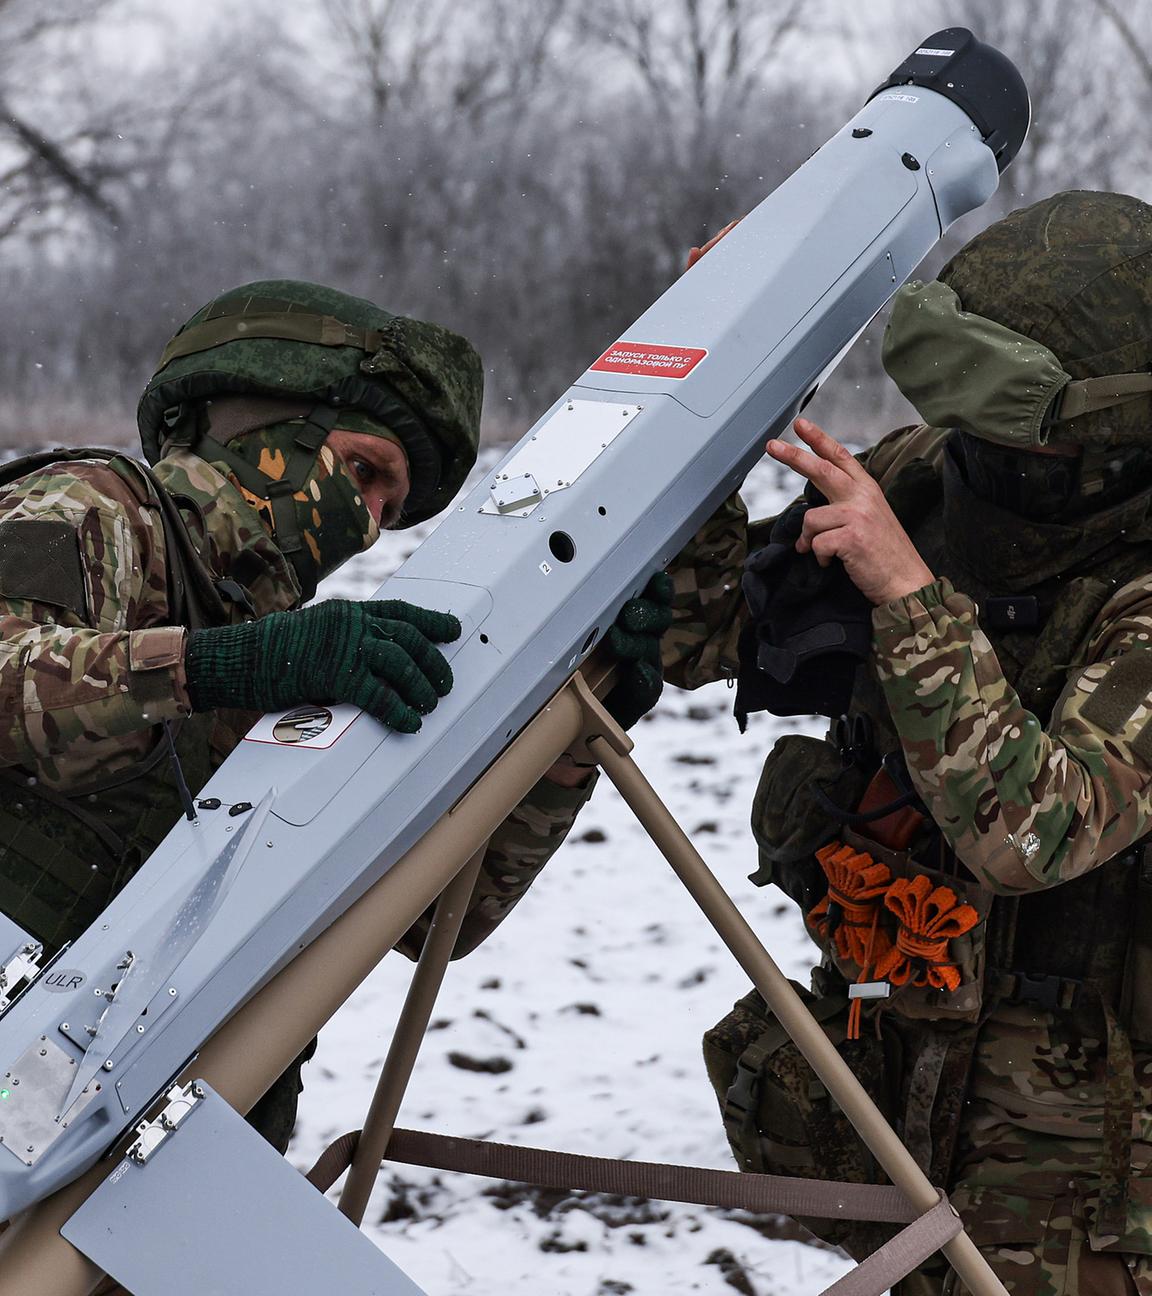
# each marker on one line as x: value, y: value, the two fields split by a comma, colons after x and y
x: 589, y: 1004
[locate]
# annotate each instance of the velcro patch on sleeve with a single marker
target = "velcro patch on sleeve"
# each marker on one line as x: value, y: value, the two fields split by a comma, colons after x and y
x: 40, y: 560
x: 1126, y: 687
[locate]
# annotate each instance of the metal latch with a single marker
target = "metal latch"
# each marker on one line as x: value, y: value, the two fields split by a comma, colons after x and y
x: 181, y: 1101
x: 869, y: 990
x: 20, y: 971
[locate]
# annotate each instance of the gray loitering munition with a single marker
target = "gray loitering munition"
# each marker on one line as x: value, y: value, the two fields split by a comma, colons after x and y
x: 318, y: 803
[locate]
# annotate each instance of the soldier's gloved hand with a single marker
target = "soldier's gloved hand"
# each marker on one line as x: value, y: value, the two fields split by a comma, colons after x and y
x: 635, y: 641
x: 380, y: 656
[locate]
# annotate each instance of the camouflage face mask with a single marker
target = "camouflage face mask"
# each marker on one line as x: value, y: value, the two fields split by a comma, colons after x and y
x: 965, y: 371
x: 331, y: 520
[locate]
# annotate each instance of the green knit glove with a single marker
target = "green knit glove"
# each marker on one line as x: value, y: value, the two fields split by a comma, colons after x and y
x: 635, y: 641
x: 380, y: 656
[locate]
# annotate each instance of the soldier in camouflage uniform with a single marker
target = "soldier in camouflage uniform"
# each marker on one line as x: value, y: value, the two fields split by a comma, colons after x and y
x: 1001, y: 554
x: 147, y: 617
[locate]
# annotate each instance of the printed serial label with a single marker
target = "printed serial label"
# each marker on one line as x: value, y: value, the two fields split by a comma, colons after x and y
x: 902, y: 98
x: 650, y: 360
x: 935, y: 53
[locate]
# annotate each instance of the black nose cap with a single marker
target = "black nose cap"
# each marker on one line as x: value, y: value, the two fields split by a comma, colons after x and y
x: 976, y: 77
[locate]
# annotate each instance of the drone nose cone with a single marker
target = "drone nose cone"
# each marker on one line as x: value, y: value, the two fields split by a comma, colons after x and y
x: 981, y: 80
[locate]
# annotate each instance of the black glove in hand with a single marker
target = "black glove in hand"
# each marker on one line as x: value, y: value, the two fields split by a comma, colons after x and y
x: 380, y: 656
x: 634, y: 640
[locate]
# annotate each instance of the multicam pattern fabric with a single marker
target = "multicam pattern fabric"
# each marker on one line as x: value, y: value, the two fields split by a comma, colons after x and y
x: 79, y: 693
x: 1025, y: 807
x: 1020, y: 806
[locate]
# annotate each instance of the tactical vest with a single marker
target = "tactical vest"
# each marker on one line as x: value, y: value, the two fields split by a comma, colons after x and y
x: 805, y: 780
x: 810, y: 794
x: 63, y: 857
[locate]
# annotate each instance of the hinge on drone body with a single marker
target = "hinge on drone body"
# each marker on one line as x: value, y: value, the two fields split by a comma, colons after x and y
x: 19, y: 972
x: 182, y: 1100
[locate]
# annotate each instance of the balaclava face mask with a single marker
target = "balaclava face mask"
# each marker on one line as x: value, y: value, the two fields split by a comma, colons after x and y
x: 332, y: 521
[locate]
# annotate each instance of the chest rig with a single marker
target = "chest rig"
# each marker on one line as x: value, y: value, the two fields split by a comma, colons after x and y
x: 64, y: 856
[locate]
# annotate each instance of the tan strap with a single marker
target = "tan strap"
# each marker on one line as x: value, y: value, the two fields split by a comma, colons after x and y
x: 758, y: 1193
x: 761, y: 1194
x: 1090, y: 394
x: 236, y: 416
x: 286, y: 326
x: 900, y: 1255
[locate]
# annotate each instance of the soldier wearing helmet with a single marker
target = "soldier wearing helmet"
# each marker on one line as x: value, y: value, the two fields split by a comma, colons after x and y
x: 149, y: 615
x: 970, y: 603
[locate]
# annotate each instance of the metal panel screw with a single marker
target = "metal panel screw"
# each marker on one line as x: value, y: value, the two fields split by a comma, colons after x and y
x: 109, y: 1065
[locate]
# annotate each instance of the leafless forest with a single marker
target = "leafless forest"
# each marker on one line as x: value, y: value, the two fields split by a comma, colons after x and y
x: 531, y: 172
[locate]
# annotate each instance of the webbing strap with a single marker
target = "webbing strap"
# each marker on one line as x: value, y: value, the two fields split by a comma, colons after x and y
x: 285, y: 326
x: 731, y: 1189
x: 900, y: 1255
x: 760, y: 1194
x: 1090, y: 394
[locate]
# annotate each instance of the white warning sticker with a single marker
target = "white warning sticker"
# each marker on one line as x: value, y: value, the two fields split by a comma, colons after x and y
x: 304, y: 726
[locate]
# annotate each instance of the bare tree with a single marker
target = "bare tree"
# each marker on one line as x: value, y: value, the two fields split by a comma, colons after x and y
x: 699, y: 60
x: 51, y: 160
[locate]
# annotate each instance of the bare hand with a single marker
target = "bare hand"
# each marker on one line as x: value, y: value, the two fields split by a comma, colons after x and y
x: 696, y: 253
x: 856, y: 525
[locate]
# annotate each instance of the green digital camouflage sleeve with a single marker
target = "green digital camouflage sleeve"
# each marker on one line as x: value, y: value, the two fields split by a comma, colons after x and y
x: 517, y: 851
x: 1022, y: 807
x: 82, y: 569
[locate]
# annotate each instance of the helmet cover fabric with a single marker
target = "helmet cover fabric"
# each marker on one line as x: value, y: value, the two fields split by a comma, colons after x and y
x: 423, y: 381
x: 1074, y: 273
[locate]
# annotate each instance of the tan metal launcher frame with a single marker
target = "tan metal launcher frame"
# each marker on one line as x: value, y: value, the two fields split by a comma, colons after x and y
x: 250, y: 1050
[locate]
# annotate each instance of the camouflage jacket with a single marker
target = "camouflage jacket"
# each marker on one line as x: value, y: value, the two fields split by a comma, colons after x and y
x: 1027, y: 806
x: 90, y: 664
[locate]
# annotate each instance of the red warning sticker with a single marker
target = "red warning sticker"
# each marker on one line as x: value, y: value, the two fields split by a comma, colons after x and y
x: 650, y: 360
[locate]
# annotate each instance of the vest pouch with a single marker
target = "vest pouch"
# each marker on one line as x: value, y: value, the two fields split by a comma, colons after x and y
x: 1136, y: 989
x: 909, y: 945
x: 789, y: 823
x: 779, y: 1117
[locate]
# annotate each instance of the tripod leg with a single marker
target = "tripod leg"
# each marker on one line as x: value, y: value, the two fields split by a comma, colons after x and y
x: 409, y: 1035
x: 750, y: 953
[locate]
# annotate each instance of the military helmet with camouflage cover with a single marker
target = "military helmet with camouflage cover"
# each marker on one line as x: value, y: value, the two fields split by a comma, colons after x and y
x: 1039, y: 332
x: 1074, y: 273
x: 285, y: 338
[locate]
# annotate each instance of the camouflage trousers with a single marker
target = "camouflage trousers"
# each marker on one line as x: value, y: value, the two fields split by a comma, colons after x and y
x: 1027, y: 1200
x: 1061, y: 1264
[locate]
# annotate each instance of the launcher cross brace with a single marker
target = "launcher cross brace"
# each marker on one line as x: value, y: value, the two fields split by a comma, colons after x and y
x: 324, y: 836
